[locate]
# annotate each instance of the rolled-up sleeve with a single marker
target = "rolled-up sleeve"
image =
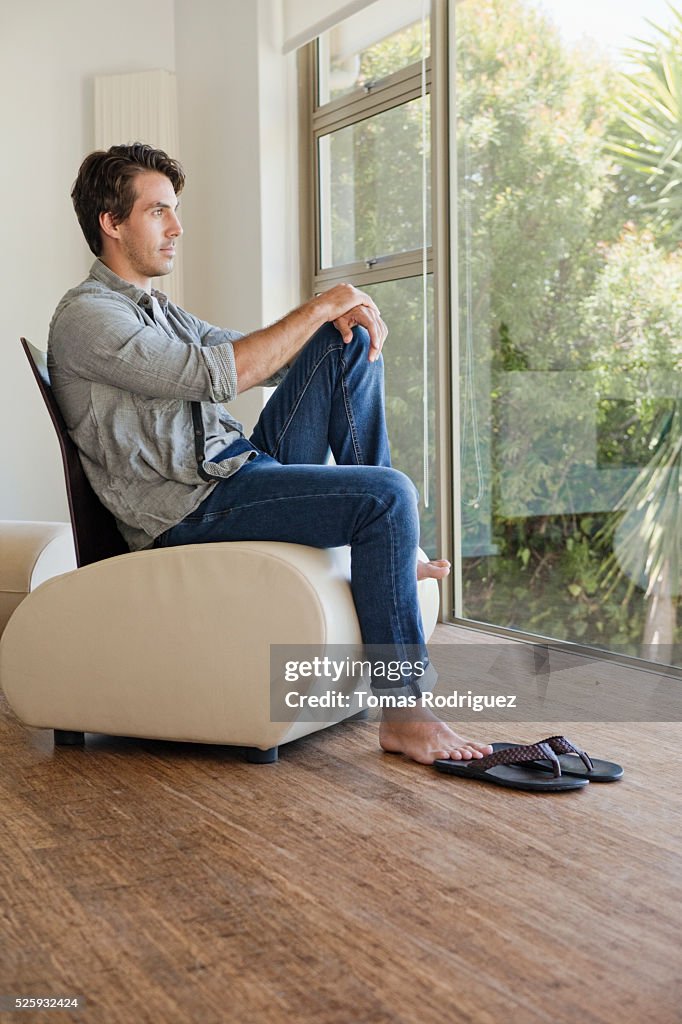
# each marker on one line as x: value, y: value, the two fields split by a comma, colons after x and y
x: 217, y: 336
x: 223, y: 371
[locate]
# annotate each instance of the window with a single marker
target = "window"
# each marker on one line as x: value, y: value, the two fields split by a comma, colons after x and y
x: 564, y: 505
x: 570, y: 320
x: 371, y: 206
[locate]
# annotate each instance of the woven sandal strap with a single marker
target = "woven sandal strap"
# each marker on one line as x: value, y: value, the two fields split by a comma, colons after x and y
x: 517, y: 755
x: 560, y: 745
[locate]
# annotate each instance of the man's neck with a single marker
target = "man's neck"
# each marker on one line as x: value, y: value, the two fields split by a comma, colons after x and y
x: 125, y: 273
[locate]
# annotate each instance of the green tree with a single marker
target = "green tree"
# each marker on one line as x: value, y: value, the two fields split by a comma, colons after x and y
x: 555, y: 286
x: 535, y: 186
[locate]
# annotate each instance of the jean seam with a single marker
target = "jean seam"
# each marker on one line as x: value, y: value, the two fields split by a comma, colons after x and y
x: 210, y: 516
x: 349, y: 416
x: 300, y: 397
x: 394, y: 611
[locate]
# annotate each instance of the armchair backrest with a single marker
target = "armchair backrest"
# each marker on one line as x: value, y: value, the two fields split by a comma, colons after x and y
x: 94, y: 528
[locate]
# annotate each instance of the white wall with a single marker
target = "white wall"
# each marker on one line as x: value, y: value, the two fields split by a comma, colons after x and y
x: 237, y: 97
x: 238, y: 144
x: 48, y: 54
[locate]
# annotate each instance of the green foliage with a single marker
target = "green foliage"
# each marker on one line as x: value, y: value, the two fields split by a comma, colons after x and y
x: 401, y: 304
x: 633, y: 315
x: 392, y: 54
x: 375, y: 184
x: 535, y: 185
x: 647, y: 540
x: 570, y: 196
x: 647, y: 138
x: 571, y: 330
x: 376, y: 176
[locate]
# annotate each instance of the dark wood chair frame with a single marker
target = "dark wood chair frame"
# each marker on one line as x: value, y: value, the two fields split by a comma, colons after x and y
x: 95, y: 534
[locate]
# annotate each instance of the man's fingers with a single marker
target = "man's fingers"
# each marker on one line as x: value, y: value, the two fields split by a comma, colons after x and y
x: 344, y: 326
x: 377, y: 336
x: 368, y: 316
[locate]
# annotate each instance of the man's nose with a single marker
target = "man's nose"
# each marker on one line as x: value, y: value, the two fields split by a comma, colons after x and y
x: 175, y: 227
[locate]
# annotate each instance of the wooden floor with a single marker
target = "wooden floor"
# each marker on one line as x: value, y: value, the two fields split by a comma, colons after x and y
x: 173, y: 883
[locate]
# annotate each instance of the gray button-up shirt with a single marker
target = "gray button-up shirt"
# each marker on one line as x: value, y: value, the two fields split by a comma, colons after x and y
x: 125, y: 367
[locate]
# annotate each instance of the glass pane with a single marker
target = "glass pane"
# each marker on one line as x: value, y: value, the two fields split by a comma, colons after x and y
x: 374, y: 176
x: 570, y: 210
x: 411, y: 421
x: 385, y: 37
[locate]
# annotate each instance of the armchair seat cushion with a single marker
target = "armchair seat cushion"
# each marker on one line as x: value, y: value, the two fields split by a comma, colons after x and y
x: 174, y: 643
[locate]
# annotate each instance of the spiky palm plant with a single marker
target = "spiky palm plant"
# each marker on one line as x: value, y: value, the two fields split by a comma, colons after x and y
x: 648, y: 137
x: 647, y: 536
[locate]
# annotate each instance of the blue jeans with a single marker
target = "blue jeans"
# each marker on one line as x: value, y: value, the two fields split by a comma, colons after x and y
x: 331, y: 399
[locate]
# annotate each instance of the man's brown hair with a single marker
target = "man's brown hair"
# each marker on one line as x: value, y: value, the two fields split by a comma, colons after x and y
x: 106, y: 184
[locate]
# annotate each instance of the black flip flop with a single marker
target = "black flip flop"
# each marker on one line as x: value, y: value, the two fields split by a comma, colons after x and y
x: 573, y: 761
x: 506, y: 768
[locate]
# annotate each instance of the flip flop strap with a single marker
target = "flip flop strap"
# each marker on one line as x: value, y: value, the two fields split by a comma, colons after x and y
x: 560, y: 745
x: 516, y: 755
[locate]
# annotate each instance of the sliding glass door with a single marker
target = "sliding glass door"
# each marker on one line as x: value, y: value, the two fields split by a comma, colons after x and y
x: 569, y: 211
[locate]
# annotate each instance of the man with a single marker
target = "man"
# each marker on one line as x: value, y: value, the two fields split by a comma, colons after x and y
x: 142, y: 384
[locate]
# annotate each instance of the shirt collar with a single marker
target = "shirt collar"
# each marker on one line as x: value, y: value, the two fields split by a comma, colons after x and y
x: 100, y: 272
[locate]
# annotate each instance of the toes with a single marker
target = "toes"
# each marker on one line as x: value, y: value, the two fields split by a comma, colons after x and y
x: 480, y: 749
x: 435, y: 569
x: 469, y: 752
x: 447, y: 754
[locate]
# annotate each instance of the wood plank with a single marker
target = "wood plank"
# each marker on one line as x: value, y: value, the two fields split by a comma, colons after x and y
x: 169, y: 882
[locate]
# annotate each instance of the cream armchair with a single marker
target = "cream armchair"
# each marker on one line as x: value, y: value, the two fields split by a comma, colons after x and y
x: 174, y: 643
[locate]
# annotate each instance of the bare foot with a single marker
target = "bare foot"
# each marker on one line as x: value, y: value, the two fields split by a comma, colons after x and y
x: 426, y: 738
x: 436, y: 569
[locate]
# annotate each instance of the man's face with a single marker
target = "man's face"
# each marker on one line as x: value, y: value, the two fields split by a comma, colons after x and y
x: 146, y: 239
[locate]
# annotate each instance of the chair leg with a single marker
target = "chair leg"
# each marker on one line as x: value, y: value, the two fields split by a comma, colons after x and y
x: 254, y: 755
x: 67, y: 738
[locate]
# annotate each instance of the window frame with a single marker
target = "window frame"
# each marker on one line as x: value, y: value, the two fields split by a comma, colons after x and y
x: 359, y: 105
x: 317, y: 120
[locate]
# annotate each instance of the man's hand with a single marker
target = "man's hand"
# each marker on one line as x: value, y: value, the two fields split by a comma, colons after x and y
x: 260, y: 354
x: 364, y: 316
x: 356, y: 308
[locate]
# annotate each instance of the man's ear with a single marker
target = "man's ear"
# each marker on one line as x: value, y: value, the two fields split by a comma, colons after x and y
x: 108, y: 225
